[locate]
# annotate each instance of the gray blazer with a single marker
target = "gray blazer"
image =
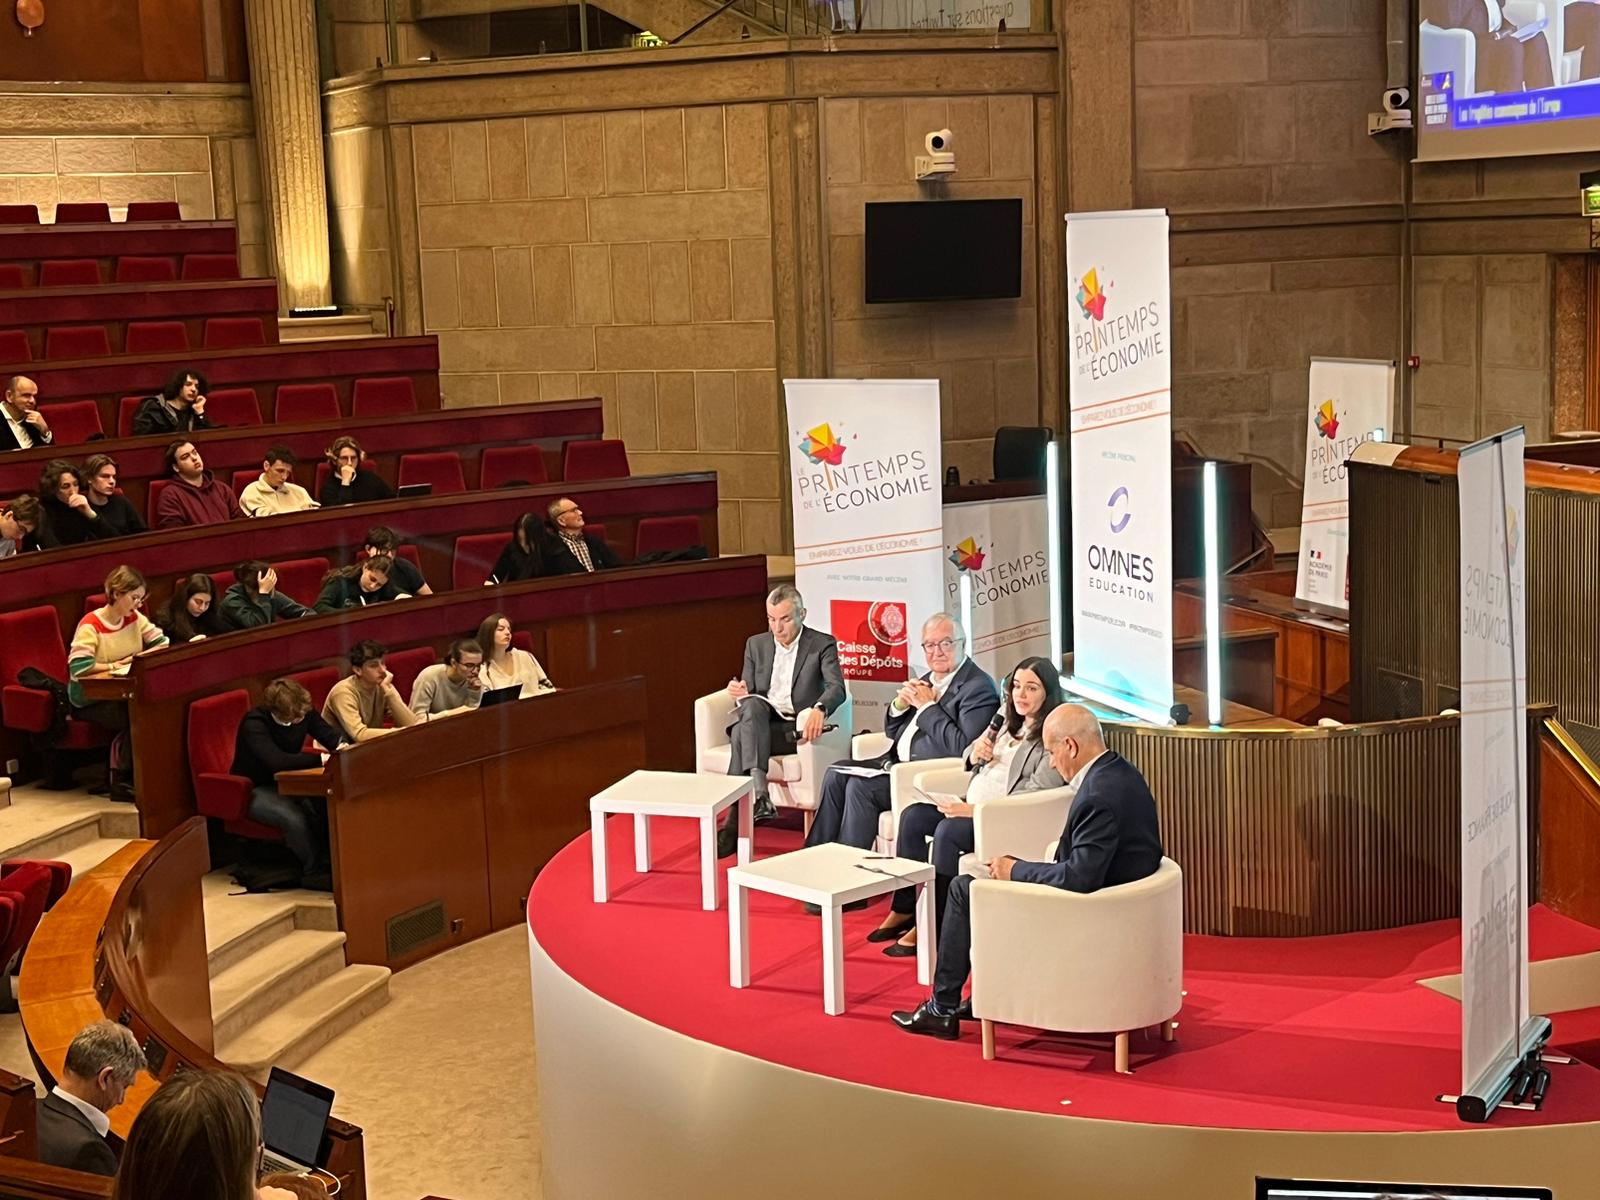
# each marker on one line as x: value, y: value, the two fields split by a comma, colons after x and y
x: 1031, y: 769
x: 818, y: 681
x: 66, y: 1139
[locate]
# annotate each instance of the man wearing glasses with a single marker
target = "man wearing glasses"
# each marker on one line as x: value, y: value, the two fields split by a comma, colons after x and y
x: 450, y: 686
x: 571, y: 551
x: 936, y: 716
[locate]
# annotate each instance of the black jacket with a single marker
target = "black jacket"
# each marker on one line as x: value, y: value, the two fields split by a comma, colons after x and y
x: 64, y: 525
x: 155, y: 415
x: 262, y: 747
x: 344, y: 591
x: 208, y: 624
x: 515, y: 563
x: 1112, y: 834
x: 119, y: 517
x: 66, y: 1139
x: 560, y: 560
x: 248, y: 610
x: 364, y: 487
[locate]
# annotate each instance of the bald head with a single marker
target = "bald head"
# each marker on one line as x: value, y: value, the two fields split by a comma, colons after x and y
x: 1072, y: 738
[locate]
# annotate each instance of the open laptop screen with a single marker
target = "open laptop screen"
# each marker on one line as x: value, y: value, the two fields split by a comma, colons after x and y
x: 1328, y: 1189
x: 294, y: 1115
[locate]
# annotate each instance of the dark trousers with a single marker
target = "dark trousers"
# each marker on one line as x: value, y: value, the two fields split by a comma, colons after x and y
x: 955, y: 945
x: 952, y: 837
x: 849, y: 808
x: 755, y: 731
x: 302, y: 821
x: 111, y: 715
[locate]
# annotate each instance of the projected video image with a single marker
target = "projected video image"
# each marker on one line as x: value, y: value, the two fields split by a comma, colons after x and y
x: 1495, y: 63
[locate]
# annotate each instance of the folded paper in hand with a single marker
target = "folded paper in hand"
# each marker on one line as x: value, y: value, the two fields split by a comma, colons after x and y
x: 859, y: 772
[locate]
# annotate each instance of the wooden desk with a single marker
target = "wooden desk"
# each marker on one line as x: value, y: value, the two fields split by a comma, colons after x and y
x: 438, y: 830
x: 31, y: 244
x: 682, y: 626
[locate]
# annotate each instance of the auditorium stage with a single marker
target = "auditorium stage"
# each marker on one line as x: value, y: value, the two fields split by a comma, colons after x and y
x: 1311, y: 1057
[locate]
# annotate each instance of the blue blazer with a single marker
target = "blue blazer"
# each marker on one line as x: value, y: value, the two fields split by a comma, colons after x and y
x: 949, y: 726
x: 1111, y: 836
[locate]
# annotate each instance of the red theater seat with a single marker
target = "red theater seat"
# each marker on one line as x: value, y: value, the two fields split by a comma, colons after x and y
x: 134, y: 268
x: 31, y: 637
x: 14, y: 346
x: 156, y: 337
x: 666, y: 533
x: 60, y: 875
x: 210, y: 266
x: 154, y: 210
x: 476, y: 554
x: 319, y: 682
x: 390, y: 396
x: 28, y: 884
x: 233, y: 407
x: 307, y: 402
x: 93, y: 601
x: 82, y: 212
x: 601, y: 459
x: 213, y: 725
x: 12, y: 276
x: 69, y: 272
x: 232, y: 333
x: 301, y: 578
x: 407, y: 665
x: 73, y: 423
x: 76, y: 341
x: 442, y: 470
x: 19, y: 214
x: 157, y: 486
x: 502, y: 465
x: 243, y: 479
x: 126, y: 408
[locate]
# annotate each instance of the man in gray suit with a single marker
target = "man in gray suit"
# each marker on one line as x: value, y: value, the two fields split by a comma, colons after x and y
x: 796, y: 670
x: 102, y: 1063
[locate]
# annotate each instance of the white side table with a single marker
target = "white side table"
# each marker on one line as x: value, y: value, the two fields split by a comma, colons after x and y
x: 829, y: 876
x: 648, y: 794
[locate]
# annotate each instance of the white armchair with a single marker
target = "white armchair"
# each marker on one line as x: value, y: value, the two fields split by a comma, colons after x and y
x: 902, y: 778
x: 795, y: 780
x: 1107, y: 962
x: 1021, y: 825
x: 1453, y: 50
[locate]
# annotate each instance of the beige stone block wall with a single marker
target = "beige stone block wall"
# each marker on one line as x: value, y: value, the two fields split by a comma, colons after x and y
x: 626, y: 255
x: 358, y: 213
x: 985, y: 354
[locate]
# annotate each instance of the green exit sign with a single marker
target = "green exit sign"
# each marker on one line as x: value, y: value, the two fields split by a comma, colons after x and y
x: 1591, y: 201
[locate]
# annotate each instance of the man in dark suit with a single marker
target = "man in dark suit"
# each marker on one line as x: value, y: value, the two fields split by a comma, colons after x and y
x: 102, y: 1063
x: 936, y: 716
x: 569, y: 550
x: 22, y: 425
x: 797, y: 670
x: 1112, y: 836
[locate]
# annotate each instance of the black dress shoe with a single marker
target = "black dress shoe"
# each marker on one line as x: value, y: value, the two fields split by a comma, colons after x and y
x: 765, y: 812
x: 964, y: 1011
x: 900, y: 950
x: 928, y: 1023
x: 892, y: 934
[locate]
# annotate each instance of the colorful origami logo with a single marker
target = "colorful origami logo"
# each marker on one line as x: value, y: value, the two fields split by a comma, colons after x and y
x: 820, y: 446
x: 1091, y: 298
x: 967, y: 556
x: 1327, y: 423
x: 1513, y: 533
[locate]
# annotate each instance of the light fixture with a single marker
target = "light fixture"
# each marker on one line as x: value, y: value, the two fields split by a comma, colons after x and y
x: 1052, y: 500
x: 1208, y: 479
x: 319, y: 310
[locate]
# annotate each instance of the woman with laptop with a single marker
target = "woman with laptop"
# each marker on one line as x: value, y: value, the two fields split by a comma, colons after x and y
x: 505, y: 665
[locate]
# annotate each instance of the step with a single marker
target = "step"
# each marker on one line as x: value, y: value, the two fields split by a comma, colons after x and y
x: 255, y: 987
x: 89, y: 855
x: 329, y: 328
x: 238, y: 923
x: 308, y: 1022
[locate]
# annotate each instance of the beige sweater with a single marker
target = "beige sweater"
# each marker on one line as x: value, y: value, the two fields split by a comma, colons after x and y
x: 360, y: 711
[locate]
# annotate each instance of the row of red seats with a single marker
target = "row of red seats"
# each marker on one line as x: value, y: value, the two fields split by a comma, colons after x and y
x: 143, y: 337
x: 28, y: 889
x: 90, y: 212
x: 131, y: 268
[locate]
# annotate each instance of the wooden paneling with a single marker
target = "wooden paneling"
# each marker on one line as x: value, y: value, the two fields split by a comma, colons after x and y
x: 160, y: 41
x: 1569, y: 828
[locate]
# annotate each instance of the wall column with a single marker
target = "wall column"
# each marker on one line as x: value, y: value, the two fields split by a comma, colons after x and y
x: 288, y: 106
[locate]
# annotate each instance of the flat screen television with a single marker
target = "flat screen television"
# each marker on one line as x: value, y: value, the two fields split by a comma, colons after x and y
x: 1328, y: 1189
x: 944, y: 250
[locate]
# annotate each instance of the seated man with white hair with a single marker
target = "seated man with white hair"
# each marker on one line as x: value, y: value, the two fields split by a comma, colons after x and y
x: 102, y: 1063
x: 1112, y: 836
x: 936, y: 716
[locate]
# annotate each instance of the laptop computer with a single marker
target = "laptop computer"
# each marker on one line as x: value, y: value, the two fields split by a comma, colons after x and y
x: 1330, y: 1189
x: 503, y: 695
x: 294, y: 1116
x: 410, y: 491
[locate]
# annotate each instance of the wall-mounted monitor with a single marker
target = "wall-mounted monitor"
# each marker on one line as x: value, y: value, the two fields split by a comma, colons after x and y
x: 1507, y: 77
x: 944, y: 250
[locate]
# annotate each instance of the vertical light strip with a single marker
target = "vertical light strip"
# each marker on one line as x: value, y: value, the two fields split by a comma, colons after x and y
x: 1213, y: 598
x: 1052, y: 500
x: 966, y: 612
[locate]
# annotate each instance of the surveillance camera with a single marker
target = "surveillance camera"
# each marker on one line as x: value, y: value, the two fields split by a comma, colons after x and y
x: 1396, y: 99
x: 1395, y: 115
x: 939, y: 141
x: 940, y: 158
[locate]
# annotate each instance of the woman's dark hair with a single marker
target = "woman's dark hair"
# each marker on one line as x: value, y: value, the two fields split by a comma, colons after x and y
x: 248, y: 575
x: 381, y: 563
x: 528, y: 531
x: 174, y: 616
x: 485, y: 638
x: 181, y: 377
x: 50, y: 477
x: 197, y: 1138
x: 1051, y: 679
x: 381, y: 538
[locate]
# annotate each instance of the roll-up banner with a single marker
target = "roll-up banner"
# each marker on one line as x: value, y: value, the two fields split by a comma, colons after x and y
x: 1000, y: 545
x: 1352, y: 401
x: 1120, y: 374
x: 865, y: 469
x: 1494, y: 756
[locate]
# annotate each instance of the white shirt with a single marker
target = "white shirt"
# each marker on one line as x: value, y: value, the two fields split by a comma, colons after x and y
x: 989, y: 783
x: 26, y: 435
x: 1076, y: 781
x: 781, y: 690
x: 903, y: 746
x: 101, y: 1122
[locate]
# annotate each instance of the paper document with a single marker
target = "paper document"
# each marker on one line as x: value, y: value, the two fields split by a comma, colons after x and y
x: 119, y: 668
x: 939, y: 797
x: 858, y: 772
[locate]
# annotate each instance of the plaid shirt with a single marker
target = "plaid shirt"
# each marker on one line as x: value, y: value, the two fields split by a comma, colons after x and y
x: 580, y: 551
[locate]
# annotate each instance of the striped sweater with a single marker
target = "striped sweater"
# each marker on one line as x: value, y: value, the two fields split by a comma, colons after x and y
x: 98, y: 643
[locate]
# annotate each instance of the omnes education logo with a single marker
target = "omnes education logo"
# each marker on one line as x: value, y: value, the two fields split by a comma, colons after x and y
x: 967, y: 556
x: 1119, y: 517
x: 1091, y: 296
x: 1327, y: 421
x: 820, y: 446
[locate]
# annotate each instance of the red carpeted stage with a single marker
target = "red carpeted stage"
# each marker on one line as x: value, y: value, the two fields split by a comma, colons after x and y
x: 1329, y: 1036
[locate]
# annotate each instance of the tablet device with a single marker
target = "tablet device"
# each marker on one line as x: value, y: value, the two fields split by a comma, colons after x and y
x: 409, y: 491
x: 503, y: 695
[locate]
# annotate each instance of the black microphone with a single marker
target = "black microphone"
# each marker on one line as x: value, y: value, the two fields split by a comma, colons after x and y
x: 994, y: 728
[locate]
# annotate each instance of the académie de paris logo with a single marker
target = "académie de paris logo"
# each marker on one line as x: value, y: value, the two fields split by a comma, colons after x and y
x: 1118, y: 504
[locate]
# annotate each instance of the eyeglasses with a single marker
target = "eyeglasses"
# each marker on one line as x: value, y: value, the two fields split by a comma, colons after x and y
x: 469, y: 668
x: 944, y: 644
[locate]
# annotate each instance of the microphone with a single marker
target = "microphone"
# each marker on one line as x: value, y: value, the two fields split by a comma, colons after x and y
x: 994, y: 728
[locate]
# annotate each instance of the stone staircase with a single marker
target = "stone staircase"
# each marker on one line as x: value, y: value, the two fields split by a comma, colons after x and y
x: 72, y: 827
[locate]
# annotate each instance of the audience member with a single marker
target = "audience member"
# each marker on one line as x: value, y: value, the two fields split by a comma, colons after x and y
x: 348, y: 481
x: 102, y: 1062
x: 197, y: 1138
x: 254, y: 598
x: 1005, y: 762
x: 523, y: 557
x: 272, y: 738
x: 569, y: 551
x: 359, y: 584
x: 795, y: 669
x: 452, y: 685
x: 1111, y: 836
x: 505, y: 665
x: 193, y: 612
x: 69, y: 518
x: 194, y: 497
x: 115, y: 515
x: 18, y: 522
x: 180, y: 408
x: 24, y: 426
x: 358, y: 703
x: 936, y: 716
x: 109, y: 637
x: 273, y: 493
x: 405, y: 575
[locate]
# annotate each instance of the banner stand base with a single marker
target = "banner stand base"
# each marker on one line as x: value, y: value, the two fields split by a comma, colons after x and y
x: 1512, y: 1081
x: 1152, y: 711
